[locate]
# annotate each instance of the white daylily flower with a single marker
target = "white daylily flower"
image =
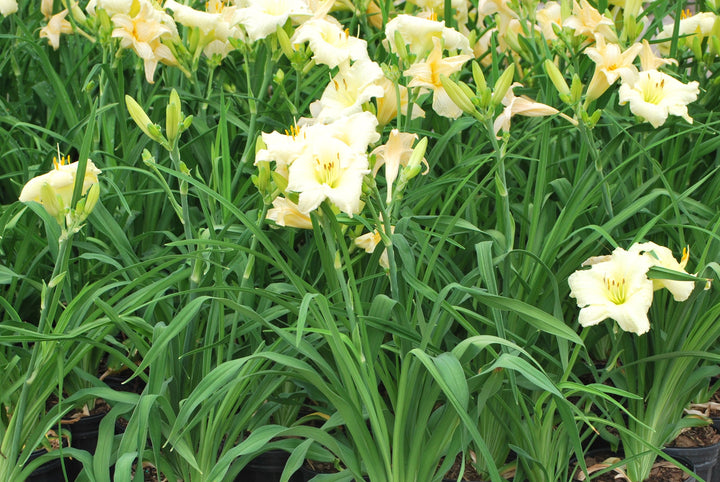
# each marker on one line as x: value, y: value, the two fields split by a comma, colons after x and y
x: 586, y: 20
x: 393, y: 154
x: 286, y: 213
x: 522, y: 105
x: 8, y: 7
x: 420, y: 35
x: 615, y: 287
x: 387, y: 105
x: 427, y: 75
x: 330, y: 43
x: 663, y: 257
x: 611, y: 63
x: 347, y: 92
x: 57, y: 25
x: 650, y: 61
x: 700, y: 24
x: 654, y: 95
x: 217, y: 25
x: 261, y: 18
x: 328, y: 170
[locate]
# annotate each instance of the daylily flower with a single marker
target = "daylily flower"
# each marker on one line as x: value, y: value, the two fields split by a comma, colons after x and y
x: 217, y: 25
x: 56, y: 25
x: 347, y: 92
x: 700, y: 24
x: 387, y: 104
x: 549, y: 14
x: 393, y: 154
x: 111, y: 7
x: 522, y: 105
x: 586, y: 20
x: 663, y: 257
x: 54, y: 189
x: 330, y: 43
x: 144, y: 33
x: 370, y: 241
x: 261, y: 18
x: 427, y: 75
x: 610, y: 64
x: 650, y: 61
x: 419, y: 34
x: 286, y: 213
x: 328, y: 170
x: 615, y: 287
x: 654, y: 95
x: 8, y: 6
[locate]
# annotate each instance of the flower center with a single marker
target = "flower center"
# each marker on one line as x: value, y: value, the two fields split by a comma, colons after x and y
x: 616, y: 290
x: 327, y: 171
x: 654, y: 92
x: 64, y: 161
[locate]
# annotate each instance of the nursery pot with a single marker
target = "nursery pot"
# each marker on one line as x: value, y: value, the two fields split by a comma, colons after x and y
x: 607, y: 453
x: 716, y: 468
x: 267, y: 467
x: 308, y: 474
x: 50, y: 471
x: 702, y: 458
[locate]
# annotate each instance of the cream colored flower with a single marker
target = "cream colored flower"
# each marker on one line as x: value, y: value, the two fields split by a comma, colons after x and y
x: 616, y: 288
x: 546, y: 17
x: 393, y: 154
x: 143, y: 33
x: 286, y: 213
x: 650, y: 61
x: 419, y: 34
x: 328, y: 170
x: 217, y: 25
x: 347, y: 92
x: 427, y: 75
x: 61, y: 182
x: 370, y: 241
x: 261, y: 18
x: 654, y: 95
x: 8, y: 7
x: 56, y: 26
x: 330, y: 43
x: 387, y: 105
x: 522, y: 105
x: 587, y: 21
x: 663, y: 257
x: 611, y: 63
x: 111, y: 7
x: 701, y: 24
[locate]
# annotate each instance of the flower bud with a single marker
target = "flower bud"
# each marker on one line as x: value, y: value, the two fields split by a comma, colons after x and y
x: 416, y: 159
x: 285, y: 44
x: 556, y: 77
x: 173, y: 117
x: 143, y: 121
x: 52, y: 203
x: 479, y: 78
x: 576, y: 88
x: 502, y: 85
x: 457, y: 95
x: 92, y: 199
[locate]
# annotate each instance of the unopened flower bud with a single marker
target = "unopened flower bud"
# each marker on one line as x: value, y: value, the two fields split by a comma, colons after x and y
x: 92, y: 199
x: 556, y: 77
x: 52, y: 203
x: 479, y: 78
x: 502, y: 85
x: 457, y: 95
x: 284, y: 41
x: 576, y: 88
x: 173, y: 117
x: 143, y: 121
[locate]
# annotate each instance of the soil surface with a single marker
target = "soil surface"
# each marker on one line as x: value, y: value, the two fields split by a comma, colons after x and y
x: 662, y: 471
x: 470, y: 473
x: 697, y: 437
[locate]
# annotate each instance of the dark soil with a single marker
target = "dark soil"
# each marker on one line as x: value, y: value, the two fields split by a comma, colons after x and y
x: 697, y: 437
x: 470, y: 473
x: 662, y: 471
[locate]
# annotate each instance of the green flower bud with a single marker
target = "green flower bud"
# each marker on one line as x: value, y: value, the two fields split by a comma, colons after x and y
x: 556, y: 77
x: 173, y: 117
x: 143, y: 121
x: 285, y: 44
x: 502, y: 85
x: 457, y: 95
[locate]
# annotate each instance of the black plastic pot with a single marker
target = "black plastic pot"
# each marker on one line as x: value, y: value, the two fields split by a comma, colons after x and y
x: 267, y: 467
x: 308, y: 474
x: 595, y: 452
x: 50, y: 471
x: 702, y: 458
x: 716, y: 468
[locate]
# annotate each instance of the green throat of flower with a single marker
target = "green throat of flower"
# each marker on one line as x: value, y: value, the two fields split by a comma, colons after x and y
x: 654, y: 92
x: 616, y: 290
x: 327, y: 171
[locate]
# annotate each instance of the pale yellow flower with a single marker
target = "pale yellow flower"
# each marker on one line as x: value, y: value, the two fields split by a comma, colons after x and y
x: 286, y: 213
x: 611, y: 63
x: 663, y: 257
x: 393, y: 154
x: 522, y: 105
x: 217, y: 25
x: 330, y: 43
x: 587, y: 21
x: 654, y: 95
x: 61, y: 182
x: 427, y: 75
x: 387, y: 104
x: 615, y: 287
x: 650, y: 61
x: 56, y: 26
x: 261, y: 18
x: 8, y: 7
x: 143, y: 33
x: 420, y: 34
x: 546, y: 17
x: 370, y: 241
x: 701, y: 24
x: 347, y: 92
